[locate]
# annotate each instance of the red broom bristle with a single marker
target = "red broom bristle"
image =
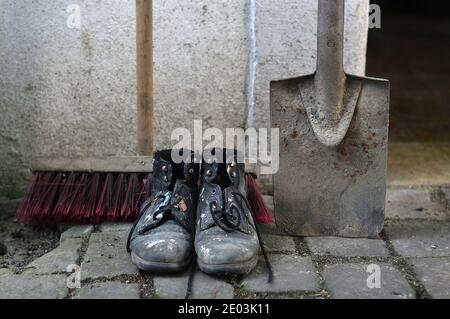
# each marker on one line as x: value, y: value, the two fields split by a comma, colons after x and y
x: 256, y: 201
x: 49, y: 198
x: 69, y: 210
x: 129, y: 203
x: 86, y: 207
x: 105, y: 200
x: 24, y: 212
x: 67, y: 192
x: 79, y: 213
x: 77, y: 197
x: 44, y: 197
x: 146, y: 188
x: 39, y: 190
x: 118, y: 197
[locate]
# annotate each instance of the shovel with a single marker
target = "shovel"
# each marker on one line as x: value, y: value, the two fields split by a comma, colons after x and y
x: 333, y: 143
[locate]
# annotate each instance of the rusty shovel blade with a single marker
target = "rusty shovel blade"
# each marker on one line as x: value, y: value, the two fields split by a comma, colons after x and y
x: 333, y: 143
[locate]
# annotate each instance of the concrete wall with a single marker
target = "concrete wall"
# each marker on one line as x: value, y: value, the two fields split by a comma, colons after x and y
x: 64, y: 91
x: 71, y: 92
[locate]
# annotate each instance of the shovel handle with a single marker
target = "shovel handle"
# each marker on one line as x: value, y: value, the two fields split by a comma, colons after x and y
x: 330, y: 37
x: 330, y: 79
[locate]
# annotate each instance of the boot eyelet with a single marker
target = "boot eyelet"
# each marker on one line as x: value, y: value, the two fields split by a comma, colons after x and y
x: 191, y: 171
x: 214, y: 191
x: 164, y: 169
x: 166, y: 179
x: 209, y: 173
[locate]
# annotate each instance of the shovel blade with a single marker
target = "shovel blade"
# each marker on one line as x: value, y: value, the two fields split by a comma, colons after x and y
x: 323, y: 190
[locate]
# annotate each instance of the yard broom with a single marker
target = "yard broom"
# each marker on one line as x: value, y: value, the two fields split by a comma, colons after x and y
x: 91, y: 190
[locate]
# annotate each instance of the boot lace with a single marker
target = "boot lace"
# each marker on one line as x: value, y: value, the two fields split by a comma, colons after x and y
x: 230, y: 220
x: 160, y: 216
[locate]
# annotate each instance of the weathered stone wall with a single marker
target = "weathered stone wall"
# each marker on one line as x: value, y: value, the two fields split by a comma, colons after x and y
x: 71, y: 92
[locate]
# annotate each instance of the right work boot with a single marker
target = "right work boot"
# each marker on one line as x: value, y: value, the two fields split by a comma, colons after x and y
x: 162, y: 238
x: 227, y: 239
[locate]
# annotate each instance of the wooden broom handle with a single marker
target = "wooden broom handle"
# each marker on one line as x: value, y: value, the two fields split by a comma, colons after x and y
x: 144, y: 73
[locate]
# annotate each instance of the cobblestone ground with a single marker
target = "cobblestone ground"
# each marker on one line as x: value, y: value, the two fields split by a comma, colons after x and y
x: 412, y: 256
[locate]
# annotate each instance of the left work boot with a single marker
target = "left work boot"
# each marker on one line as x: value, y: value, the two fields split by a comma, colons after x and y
x: 162, y: 237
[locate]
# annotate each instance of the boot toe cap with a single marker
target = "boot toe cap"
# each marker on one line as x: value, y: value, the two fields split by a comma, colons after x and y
x: 222, y: 251
x: 167, y: 248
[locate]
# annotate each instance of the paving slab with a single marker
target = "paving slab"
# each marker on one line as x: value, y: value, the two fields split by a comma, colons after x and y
x: 107, y: 257
x: 350, y: 281
x: 33, y: 287
x: 420, y: 239
x: 108, y: 290
x: 413, y: 204
x: 291, y: 274
x: 209, y: 287
x: 79, y: 231
x: 347, y: 247
x: 171, y: 286
x: 115, y: 227
x: 274, y: 243
x: 57, y: 260
x: 6, y: 272
x: 434, y: 273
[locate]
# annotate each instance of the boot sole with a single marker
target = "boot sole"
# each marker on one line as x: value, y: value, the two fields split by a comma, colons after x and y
x: 236, y: 269
x: 152, y: 266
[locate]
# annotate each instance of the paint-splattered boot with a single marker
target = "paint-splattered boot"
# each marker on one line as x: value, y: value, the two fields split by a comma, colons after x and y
x: 162, y: 237
x: 227, y: 240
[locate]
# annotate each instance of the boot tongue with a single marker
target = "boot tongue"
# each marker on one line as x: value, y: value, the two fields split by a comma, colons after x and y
x: 190, y: 173
x: 183, y: 199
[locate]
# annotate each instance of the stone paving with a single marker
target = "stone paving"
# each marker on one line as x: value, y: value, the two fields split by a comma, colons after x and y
x: 410, y: 259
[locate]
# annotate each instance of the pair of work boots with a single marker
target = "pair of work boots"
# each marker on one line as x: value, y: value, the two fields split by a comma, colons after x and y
x: 212, y: 218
